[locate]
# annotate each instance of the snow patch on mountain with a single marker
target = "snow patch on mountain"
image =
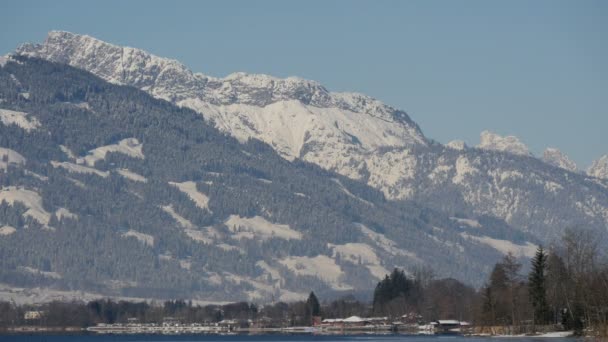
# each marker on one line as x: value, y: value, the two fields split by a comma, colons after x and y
x: 320, y: 266
x: 510, y: 144
x: 273, y: 272
x: 146, y: 239
x: 469, y: 222
x: 75, y: 168
x: 261, y: 290
x: 360, y: 254
x: 505, y: 246
x: 184, y: 222
x: 65, y: 213
x: 258, y: 228
x: 21, y: 119
x: 355, y: 253
x: 30, y: 199
x: 7, y: 230
x: 350, y: 194
x: 385, y: 243
x: 206, y: 235
x: 47, y: 274
x: 599, y: 168
x: 10, y: 157
x: 130, y: 147
x: 189, y: 188
x: 555, y: 157
x: 449, y: 245
x: 132, y: 175
x: 67, y: 152
x: 378, y: 271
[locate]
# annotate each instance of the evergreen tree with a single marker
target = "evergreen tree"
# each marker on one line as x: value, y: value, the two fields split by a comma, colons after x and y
x: 396, y: 291
x: 489, y: 306
x: 314, y: 308
x: 537, y: 286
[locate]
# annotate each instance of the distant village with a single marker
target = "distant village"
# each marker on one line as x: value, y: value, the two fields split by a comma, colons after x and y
x: 410, y: 323
x: 349, y: 325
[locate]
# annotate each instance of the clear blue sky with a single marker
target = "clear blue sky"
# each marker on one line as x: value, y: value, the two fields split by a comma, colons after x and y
x: 534, y: 69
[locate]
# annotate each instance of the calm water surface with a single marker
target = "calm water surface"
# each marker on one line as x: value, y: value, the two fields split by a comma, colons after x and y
x: 270, y: 338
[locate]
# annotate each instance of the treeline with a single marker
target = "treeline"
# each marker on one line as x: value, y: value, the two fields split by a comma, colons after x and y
x: 81, y: 314
x: 567, y: 285
x: 422, y: 298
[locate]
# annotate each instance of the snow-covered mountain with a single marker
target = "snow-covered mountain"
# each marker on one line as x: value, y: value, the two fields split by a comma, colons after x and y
x: 298, y: 118
x: 356, y: 136
x: 599, y: 168
x: 555, y: 157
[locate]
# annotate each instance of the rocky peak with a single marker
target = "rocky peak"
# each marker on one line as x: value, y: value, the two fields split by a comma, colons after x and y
x: 457, y: 145
x: 556, y: 158
x: 510, y: 144
x: 599, y: 168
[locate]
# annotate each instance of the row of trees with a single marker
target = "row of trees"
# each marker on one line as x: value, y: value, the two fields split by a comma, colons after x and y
x: 568, y: 285
x: 83, y: 314
x: 421, y: 297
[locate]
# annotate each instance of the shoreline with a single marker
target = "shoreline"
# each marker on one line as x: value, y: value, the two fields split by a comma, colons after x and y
x: 92, y: 331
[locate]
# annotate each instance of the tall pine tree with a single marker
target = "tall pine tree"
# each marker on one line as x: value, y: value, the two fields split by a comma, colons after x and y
x: 537, y: 286
x: 314, y: 308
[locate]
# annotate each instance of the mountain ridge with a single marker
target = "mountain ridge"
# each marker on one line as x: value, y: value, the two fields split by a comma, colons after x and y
x: 394, y: 159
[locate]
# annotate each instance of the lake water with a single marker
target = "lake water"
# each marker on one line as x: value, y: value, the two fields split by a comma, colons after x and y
x: 270, y: 338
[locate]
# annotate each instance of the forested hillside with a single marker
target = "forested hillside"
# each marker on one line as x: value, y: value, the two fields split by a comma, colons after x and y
x: 109, y: 190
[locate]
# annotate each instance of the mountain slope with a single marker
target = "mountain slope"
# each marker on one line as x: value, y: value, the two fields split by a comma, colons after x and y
x: 118, y: 193
x: 358, y: 137
x: 299, y: 118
